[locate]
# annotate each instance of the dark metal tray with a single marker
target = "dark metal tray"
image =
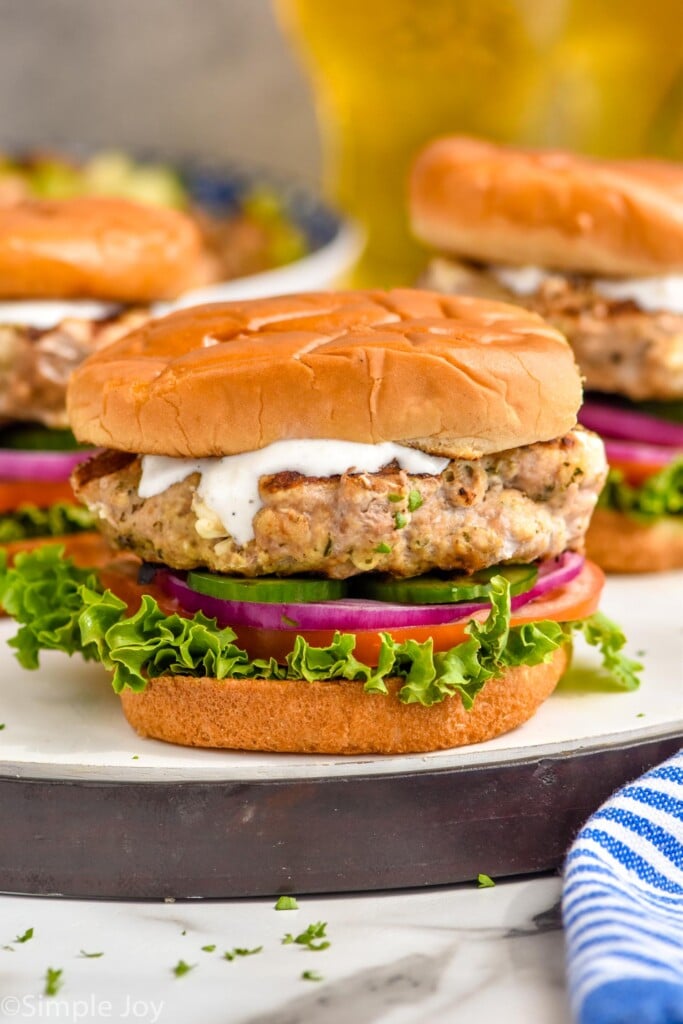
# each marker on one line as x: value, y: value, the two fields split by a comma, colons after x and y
x: 136, y: 840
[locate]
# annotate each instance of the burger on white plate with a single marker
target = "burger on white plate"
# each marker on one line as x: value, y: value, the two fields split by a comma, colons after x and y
x: 361, y: 517
x: 596, y: 248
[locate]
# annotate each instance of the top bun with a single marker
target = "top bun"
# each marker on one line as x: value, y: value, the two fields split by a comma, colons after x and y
x: 451, y: 375
x: 497, y: 204
x: 96, y: 247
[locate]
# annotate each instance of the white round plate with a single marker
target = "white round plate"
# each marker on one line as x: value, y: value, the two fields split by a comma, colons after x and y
x: 64, y: 721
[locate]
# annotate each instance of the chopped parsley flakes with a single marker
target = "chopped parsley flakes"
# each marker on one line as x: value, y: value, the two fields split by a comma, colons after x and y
x: 182, y: 968
x: 230, y: 954
x: 309, y: 938
x: 53, y: 981
x: 286, y: 903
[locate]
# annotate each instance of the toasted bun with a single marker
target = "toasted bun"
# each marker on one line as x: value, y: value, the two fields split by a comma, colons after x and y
x: 334, y: 717
x: 621, y: 544
x: 96, y: 247
x: 448, y: 374
x: 497, y: 204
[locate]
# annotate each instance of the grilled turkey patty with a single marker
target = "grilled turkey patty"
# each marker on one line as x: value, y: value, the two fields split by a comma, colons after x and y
x: 35, y: 363
x: 523, y: 504
x: 619, y: 347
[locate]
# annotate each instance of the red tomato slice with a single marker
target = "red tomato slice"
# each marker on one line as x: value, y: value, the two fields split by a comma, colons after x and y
x: 88, y: 549
x: 14, y: 493
x: 635, y: 473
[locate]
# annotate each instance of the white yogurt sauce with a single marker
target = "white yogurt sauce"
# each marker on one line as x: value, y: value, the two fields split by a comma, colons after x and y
x: 229, y: 485
x: 520, y: 280
x: 652, y: 294
x: 45, y: 313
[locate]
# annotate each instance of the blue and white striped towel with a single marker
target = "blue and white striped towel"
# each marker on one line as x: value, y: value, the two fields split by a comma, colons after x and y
x: 623, y: 905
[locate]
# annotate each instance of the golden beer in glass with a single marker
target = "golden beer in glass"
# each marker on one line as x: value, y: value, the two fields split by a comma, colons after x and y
x: 597, y: 76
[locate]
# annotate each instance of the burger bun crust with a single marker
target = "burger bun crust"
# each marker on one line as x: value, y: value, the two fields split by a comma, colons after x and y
x: 499, y: 204
x: 620, y: 544
x: 451, y: 375
x: 335, y: 717
x: 96, y: 247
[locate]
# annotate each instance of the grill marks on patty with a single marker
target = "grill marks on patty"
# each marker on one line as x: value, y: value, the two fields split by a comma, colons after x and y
x: 523, y: 504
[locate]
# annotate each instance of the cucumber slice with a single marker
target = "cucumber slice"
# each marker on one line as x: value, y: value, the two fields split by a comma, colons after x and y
x: 432, y: 589
x: 267, y: 589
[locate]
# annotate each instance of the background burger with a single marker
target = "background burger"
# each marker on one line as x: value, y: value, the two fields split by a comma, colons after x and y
x: 86, y: 265
x: 595, y: 247
x: 367, y: 508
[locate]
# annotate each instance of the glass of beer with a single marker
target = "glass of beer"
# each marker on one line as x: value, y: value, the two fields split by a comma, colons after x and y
x: 602, y: 78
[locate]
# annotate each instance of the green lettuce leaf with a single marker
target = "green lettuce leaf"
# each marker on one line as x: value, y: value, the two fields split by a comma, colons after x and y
x: 29, y: 521
x: 149, y: 644
x: 333, y: 662
x: 491, y: 648
x: 660, y: 495
x: 671, y: 410
x: 44, y: 592
x: 61, y: 607
x: 35, y: 437
x: 601, y: 632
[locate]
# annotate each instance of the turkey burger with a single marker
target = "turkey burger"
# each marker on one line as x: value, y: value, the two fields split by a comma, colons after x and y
x: 596, y: 248
x: 361, y: 518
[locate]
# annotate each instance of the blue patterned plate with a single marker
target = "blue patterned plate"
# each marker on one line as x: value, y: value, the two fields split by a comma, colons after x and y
x: 333, y: 242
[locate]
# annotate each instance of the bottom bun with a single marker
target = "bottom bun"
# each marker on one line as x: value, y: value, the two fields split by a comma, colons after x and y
x: 621, y: 544
x: 335, y: 717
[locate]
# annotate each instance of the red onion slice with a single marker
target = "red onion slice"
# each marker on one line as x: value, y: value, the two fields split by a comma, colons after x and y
x: 355, y: 614
x: 20, y: 464
x: 632, y: 451
x: 629, y: 425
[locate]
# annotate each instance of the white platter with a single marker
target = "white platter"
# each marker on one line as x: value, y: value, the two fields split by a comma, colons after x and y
x: 64, y: 721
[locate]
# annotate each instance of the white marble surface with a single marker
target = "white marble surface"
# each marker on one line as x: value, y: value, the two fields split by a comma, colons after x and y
x: 460, y: 955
